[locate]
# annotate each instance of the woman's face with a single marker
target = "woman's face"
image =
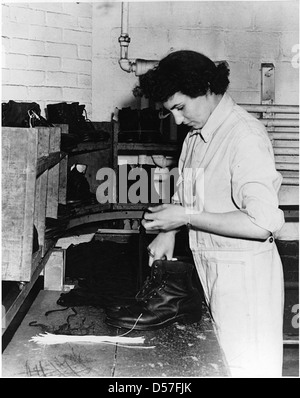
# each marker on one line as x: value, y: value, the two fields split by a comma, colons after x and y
x: 194, y: 112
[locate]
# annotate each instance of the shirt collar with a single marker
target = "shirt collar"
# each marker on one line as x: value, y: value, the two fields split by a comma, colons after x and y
x: 217, y: 117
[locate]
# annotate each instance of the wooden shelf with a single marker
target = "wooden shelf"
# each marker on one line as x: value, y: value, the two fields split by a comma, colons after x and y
x: 105, y: 216
x: 47, y: 162
x: 84, y: 147
x: 151, y: 148
x: 131, y: 206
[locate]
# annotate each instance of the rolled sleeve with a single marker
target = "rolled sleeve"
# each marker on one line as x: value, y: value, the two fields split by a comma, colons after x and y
x: 256, y: 182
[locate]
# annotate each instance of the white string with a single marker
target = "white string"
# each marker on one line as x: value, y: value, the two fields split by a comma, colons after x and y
x: 124, y: 334
x: 50, y: 339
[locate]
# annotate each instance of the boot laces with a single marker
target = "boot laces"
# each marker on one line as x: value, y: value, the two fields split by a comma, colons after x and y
x: 151, y: 290
x: 150, y: 283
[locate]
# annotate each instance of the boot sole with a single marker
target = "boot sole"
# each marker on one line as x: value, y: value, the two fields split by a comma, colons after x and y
x: 182, y: 319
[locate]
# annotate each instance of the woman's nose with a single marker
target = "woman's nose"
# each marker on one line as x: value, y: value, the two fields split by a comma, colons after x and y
x: 178, y: 118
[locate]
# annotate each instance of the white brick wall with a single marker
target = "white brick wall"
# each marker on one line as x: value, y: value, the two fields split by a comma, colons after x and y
x: 47, y: 52
x: 245, y: 33
x: 69, y: 51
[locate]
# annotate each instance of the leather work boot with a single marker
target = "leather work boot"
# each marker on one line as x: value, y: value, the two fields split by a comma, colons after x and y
x: 166, y: 297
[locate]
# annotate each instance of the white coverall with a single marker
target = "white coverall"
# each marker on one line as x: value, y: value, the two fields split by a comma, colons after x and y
x: 242, y: 279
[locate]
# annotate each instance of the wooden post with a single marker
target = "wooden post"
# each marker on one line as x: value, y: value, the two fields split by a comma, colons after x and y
x: 54, y: 271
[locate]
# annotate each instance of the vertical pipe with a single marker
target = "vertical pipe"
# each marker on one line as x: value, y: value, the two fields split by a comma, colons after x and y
x: 125, y: 18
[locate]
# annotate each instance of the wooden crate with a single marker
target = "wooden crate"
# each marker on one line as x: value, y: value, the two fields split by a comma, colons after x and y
x: 30, y: 187
x: 19, y: 162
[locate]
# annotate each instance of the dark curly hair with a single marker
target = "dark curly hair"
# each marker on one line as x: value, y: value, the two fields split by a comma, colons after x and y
x: 188, y: 72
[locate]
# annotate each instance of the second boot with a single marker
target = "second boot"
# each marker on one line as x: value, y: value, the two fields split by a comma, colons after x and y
x: 167, y: 296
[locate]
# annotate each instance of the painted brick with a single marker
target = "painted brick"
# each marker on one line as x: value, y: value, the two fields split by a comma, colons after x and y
x: 88, y: 108
x: 106, y: 15
x: 48, y: 6
x: 61, y: 50
x: 245, y: 75
x: 244, y: 96
x: 50, y: 94
x: 140, y: 36
x: 286, y: 83
x: 119, y: 89
x: 77, y: 94
x: 5, y: 76
x: 288, y: 40
x: 85, y: 52
x: 75, y: 65
x: 16, y: 93
x: 220, y: 15
x: 77, y: 37
x: 17, y: 61
x: 85, y: 23
x: 26, y: 15
x: 5, y: 10
x: 45, y: 33
x: 61, y: 79
x: 27, y: 77
x: 108, y: 39
x: 61, y: 20
x: 85, y: 81
x: 276, y: 18
x: 24, y: 46
x: 206, y: 41
x: 252, y: 45
x: 210, y: 43
x: 5, y: 44
x: 15, y: 29
x: 110, y: 67
x: 44, y: 63
x: 79, y: 9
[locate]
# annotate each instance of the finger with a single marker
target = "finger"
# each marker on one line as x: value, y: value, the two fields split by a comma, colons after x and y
x: 151, y: 225
x: 143, y: 222
x: 169, y: 255
x: 149, y: 216
x: 152, y: 259
x: 155, y: 209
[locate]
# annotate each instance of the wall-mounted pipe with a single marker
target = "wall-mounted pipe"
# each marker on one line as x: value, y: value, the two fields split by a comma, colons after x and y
x: 138, y: 66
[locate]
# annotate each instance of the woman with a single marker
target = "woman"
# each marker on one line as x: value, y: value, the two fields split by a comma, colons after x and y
x: 227, y: 196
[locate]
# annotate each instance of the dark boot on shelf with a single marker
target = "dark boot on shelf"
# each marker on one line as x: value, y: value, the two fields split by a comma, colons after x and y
x: 150, y: 126
x: 129, y: 125
x: 75, y: 116
x: 78, y: 187
x: 168, y: 296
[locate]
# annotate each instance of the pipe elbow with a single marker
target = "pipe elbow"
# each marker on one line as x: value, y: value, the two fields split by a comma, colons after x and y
x: 143, y: 65
x: 126, y: 65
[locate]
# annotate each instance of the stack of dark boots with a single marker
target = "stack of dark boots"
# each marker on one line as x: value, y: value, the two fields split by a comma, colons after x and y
x: 139, y: 125
x: 150, y: 125
x: 166, y: 297
x: 129, y: 125
x: 81, y: 129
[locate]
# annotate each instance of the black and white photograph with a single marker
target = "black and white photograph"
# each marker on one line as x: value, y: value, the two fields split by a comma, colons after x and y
x: 150, y: 192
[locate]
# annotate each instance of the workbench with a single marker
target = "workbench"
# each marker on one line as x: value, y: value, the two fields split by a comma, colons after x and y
x: 189, y: 351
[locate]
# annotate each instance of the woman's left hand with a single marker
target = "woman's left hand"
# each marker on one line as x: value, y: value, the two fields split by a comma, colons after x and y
x: 164, y: 217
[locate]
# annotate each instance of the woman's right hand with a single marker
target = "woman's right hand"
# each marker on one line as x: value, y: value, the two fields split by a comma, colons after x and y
x: 162, y: 247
